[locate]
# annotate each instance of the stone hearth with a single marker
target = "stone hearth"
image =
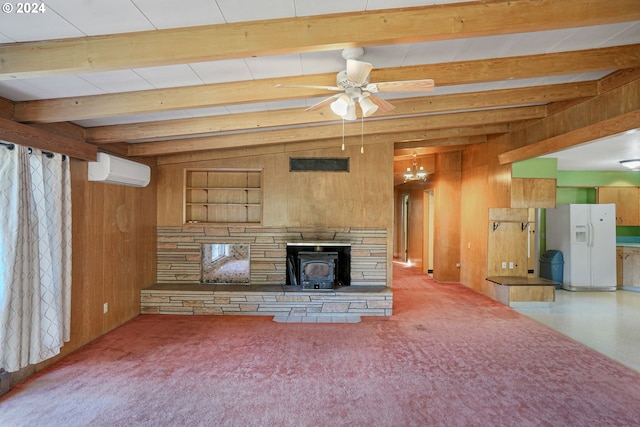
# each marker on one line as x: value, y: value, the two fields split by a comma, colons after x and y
x: 349, y: 302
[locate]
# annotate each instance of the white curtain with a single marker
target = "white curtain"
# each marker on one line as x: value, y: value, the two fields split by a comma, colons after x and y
x: 35, y: 246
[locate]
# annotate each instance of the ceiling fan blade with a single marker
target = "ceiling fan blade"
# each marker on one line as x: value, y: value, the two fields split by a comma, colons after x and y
x: 383, y: 106
x: 358, y: 71
x: 323, y: 103
x: 425, y: 85
x: 334, y: 88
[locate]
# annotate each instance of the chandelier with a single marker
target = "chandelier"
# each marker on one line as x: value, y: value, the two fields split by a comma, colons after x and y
x: 415, y: 173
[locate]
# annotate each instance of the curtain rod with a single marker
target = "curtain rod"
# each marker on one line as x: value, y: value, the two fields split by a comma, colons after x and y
x: 49, y: 154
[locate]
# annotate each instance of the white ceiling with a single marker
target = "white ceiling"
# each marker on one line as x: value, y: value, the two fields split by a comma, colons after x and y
x: 78, y: 18
x: 601, y: 154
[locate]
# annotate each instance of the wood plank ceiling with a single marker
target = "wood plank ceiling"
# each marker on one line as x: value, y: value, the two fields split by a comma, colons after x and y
x: 145, y: 78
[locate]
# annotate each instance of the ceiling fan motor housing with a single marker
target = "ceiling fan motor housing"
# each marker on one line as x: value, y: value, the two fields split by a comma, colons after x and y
x: 343, y: 82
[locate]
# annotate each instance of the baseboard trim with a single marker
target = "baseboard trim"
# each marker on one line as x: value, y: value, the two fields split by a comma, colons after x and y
x: 5, y: 382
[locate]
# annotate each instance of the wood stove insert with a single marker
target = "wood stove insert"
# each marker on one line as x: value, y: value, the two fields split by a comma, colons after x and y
x: 319, y: 266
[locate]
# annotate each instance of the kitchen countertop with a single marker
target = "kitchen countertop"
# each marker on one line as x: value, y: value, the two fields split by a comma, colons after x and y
x: 628, y: 241
x: 521, y: 281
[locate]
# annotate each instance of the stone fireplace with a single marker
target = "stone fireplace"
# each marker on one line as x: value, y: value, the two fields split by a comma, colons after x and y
x: 358, y: 256
x: 179, y: 255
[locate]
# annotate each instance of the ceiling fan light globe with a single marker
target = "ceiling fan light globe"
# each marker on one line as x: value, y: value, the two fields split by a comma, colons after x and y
x: 340, y: 105
x: 368, y: 106
x: 351, y: 112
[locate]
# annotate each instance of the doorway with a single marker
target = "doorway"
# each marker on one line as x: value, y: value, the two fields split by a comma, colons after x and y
x: 405, y: 227
x: 427, y: 231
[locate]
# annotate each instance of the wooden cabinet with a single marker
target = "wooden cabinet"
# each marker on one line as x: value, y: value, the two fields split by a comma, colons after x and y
x: 630, y: 266
x: 627, y: 201
x: 619, y: 265
x: 533, y: 193
x: 223, y: 196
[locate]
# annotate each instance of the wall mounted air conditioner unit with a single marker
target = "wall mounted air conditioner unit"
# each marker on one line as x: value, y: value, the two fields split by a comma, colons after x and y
x: 115, y: 170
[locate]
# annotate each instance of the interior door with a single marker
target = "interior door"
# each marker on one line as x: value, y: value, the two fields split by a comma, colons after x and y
x: 405, y: 227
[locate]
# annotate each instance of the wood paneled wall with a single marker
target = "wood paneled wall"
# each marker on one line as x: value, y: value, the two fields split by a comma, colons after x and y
x: 487, y: 184
x: 398, y: 247
x: 474, y: 210
x: 447, y: 203
x: 359, y: 197
x: 507, y: 242
x: 533, y: 193
x: 114, y: 255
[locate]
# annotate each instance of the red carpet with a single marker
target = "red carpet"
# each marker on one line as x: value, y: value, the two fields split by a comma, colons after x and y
x: 448, y: 357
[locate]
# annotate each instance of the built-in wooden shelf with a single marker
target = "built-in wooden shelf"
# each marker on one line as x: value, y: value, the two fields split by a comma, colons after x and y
x: 225, y: 196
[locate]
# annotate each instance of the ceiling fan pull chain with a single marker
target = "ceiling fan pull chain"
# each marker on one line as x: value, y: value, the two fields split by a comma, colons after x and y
x: 342, y: 134
x: 362, y: 136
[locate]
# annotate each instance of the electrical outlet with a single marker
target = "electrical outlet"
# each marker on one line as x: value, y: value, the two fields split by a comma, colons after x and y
x: 504, y: 265
x: 510, y: 265
x: 105, y: 308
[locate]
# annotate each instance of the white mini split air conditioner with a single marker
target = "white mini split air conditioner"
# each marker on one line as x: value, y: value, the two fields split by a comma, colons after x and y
x: 115, y: 170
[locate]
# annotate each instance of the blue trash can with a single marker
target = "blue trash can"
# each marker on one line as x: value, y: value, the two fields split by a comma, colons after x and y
x: 551, y: 265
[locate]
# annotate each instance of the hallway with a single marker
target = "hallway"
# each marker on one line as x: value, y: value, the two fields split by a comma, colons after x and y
x: 608, y: 322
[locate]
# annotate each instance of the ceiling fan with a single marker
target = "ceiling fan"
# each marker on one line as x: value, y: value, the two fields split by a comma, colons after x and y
x: 357, y: 89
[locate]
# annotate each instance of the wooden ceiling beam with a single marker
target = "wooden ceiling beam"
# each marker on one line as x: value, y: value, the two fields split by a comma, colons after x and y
x: 305, y: 34
x: 604, y: 128
x: 29, y: 136
x: 617, y: 79
x: 291, y: 147
x: 420, y: 138
x: 519, y: 67
x: 408, y: 149
x: 297, y: 116
x: 6, y: 108
x: 251, y: 139
x: 221, y: 94
x: 444, y: 149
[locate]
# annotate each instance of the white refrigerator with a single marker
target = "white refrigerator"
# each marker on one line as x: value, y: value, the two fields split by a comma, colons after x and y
x: 586, y: 236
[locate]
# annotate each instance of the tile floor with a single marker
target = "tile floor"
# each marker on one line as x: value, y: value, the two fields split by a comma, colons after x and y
x: 608, y: 322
